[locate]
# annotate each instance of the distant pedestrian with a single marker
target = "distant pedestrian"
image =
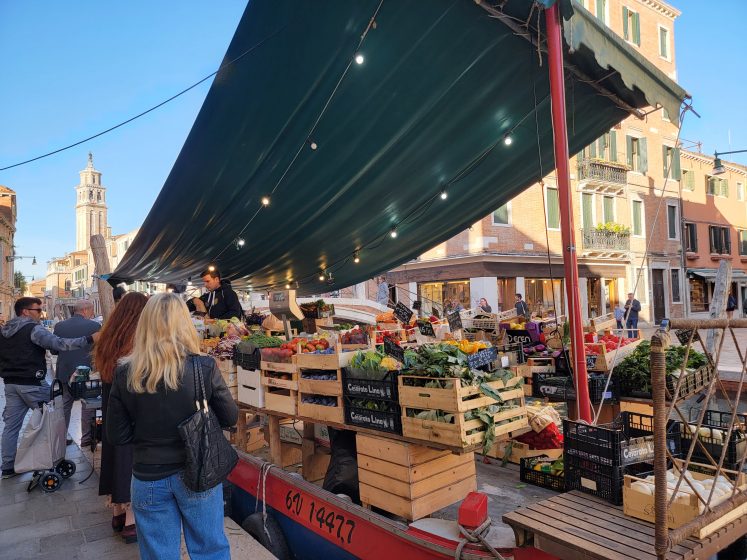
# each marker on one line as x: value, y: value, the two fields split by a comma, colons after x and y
x: 153, y: 392
x: 115, y: 475
x: 619, y: 316
x: 382, y: 292
x: 731, y: 305
x: 632, y: 308
x: 23, y: 366
x: 484, y: 306
x: 80, y: 324
x: 522, y: 309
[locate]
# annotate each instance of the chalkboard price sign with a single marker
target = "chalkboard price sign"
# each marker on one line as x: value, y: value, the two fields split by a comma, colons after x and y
x: 394, y: 350
x: 403, y: 313
x: 518, y: 337
x: 426, y: 329
x: 455, y: 321
x: 591, y: 361
x: 482, y: 357
x: 683, y: 335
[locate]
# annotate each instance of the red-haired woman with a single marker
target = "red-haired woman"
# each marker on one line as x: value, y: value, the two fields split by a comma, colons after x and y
x: 116, y: 460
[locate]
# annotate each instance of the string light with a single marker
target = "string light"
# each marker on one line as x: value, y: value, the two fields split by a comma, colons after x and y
x: 287, y: 286
x: 393, y: 233
x: 356, y: 257
x: 211, y: 268
x: 508, y: 140
x: 240, y: 243
x: 265, y: 201
x: 359, y: 58
x: 321, y: 277
x: 444, y: 195
x: 313, y: 145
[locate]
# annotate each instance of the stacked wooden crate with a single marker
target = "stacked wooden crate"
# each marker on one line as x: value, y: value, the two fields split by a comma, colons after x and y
x: 410, y: 480
x: 280, y: 385
x: 228, y: 372
x: 320, y: 378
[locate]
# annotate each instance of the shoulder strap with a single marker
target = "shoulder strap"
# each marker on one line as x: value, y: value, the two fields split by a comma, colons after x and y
x: 201, y: 396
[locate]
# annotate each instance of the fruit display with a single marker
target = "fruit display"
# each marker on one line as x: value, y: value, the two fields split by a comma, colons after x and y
x: 316, y: 309
x: 354, y: 336
x: 255, y: 318
x: 391, y: 335
x: 607, y: 343
x: 548, y: 438
x: 319, y: 399
x: 467, y: 346
x: 319, y: 374
x: 386, y: 317
x: 550, y: 466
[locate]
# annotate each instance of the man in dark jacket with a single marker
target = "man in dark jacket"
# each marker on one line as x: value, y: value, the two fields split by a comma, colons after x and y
x: 632, y: 308
x: 23, y: 366
x: 79, y: 324
x: 221, y: 302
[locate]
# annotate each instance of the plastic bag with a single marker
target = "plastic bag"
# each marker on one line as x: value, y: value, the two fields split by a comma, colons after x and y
x: 43, y: 441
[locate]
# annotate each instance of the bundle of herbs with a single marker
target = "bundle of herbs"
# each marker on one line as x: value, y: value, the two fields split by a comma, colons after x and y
x: 635, y: 370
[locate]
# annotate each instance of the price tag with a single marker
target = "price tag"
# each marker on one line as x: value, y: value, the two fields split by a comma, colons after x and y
x: 683, y: 335
x: 482, y: 357
x: 394, y: 350
x: 591, y: 361
x: 518, y: 337
x: 403, y: 313
x: 426, y: 329
x: 455, y: 321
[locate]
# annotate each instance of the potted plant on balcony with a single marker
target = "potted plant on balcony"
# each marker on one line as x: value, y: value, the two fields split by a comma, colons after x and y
x: 612, y: 227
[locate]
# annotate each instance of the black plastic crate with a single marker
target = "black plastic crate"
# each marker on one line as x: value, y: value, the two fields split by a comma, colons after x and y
x: 388, y: 419
x: 90, y: 389
x: 736, y: 445
x: 247, y: 360
x: 540, y: 478
x: 602, y: 481
x: 627, y: 440
x: 694, y: 382
x: 558, y: 388
x: 370, y: 386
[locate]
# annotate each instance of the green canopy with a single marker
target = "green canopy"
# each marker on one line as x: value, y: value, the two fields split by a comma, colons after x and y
x: 347, y: 152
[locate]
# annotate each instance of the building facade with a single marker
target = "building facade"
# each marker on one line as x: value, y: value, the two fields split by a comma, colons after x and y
x: 8, y: 293
x: 90, y: 207
x: 625, y: 188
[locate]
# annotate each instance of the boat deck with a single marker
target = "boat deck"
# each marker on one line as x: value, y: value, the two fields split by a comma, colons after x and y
x: 576, y: 525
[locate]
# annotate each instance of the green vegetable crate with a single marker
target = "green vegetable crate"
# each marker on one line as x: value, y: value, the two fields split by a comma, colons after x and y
x: 446, y: 410
x: 371, y: 399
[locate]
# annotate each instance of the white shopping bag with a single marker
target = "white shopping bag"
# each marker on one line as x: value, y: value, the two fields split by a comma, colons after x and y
x: 43, y: 441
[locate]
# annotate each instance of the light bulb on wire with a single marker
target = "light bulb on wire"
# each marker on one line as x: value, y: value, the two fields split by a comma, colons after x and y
x: 393, y: 233
x: 322, y: 277
x: 359, y: 59
x: 240, y: 243
x: 444, y: 195
x: 356, y: 257
x: 508, y: 140
x: 211, y: 268
x: 287, y: 286
x: 265, y: 201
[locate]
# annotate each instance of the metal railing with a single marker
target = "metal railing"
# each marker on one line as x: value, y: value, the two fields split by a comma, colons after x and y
x: 602, y: 171
x: 600, y: 240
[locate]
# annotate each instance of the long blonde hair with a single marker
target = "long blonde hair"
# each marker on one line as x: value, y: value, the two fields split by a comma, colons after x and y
x: 163, y: 339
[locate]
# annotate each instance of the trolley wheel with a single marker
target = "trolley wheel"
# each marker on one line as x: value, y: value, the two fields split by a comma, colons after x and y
x: 274, y: 541
x: 50, y: 482
x: 65, y: 468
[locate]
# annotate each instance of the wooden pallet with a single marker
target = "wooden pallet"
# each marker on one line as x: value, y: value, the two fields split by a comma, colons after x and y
x: 410, y: 480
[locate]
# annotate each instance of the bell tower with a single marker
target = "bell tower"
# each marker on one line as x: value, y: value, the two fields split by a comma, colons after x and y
x: 90, y: 206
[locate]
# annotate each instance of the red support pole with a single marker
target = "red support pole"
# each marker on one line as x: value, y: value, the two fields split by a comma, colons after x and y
x: 562, y: 172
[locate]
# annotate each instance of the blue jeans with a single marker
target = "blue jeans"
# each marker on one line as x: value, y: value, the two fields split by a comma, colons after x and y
x: 19, y: 399
x: 632, y: 327
x: 163, y: 506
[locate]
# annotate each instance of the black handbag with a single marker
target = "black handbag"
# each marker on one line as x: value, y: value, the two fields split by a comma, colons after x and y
x: 210, y: 457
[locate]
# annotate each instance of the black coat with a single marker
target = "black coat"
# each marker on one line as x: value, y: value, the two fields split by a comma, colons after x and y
x: 149, y: 420
x: 222, y: 303
x: 74, y: 327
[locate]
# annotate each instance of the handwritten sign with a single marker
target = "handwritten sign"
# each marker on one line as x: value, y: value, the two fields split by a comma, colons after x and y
x: 426, y: 329
x: 455, y: 321
x: 683, y: 335
x: 394, y: 350
x: 518, y: 337
x: 482, y: 357
x: 403, y: 313
x: 591, y: 361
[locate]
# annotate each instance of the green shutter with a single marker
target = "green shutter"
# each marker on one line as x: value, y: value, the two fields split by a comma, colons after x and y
x: 710, y: 185
x: 629, y: 145
x: 500, y: 216
x: 625, y: 23
x: 662, y: 42
x: 553, y: 209
x: 593, y: 149
x: 676, y: 170
x: 609, y: 209
x: 613, y: 145
x: 600, y: 9
x: 637, y: 29
x: 664, y: 163
x: 602, y: 146
x: 691, y: 180
x: 637, y: 228
x: 725, y: 187
x: 643, y: 155
x: 587, y: 215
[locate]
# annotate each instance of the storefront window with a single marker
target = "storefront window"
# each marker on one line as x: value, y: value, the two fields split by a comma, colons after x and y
x: 698, y: 295
x: 543, y: 295
x: 506, y: 293
x: 434, y: 294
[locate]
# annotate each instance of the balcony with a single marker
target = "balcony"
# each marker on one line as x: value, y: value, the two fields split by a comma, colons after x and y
x: 602, y: 176
x: 605, y: 244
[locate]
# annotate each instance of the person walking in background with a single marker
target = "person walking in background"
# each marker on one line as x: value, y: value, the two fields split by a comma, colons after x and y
x: 153, y: 392
x: 632, y: 308
x: 731, y: 305
x: 619, y: 316
x: 484, y: 306
x: 23, y: 366
x: 116, y: 460
x: 382, y: 292
x: 80, y: 324
x: 522, y: 309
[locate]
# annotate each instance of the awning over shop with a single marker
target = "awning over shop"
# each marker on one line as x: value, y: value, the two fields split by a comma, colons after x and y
x: 349, y: 153
x: 710, y: 274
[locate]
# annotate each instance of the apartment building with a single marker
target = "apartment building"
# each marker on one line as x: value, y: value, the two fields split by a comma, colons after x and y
x: 7, y: 235
x: 714, y: 229
x: 625, y: 187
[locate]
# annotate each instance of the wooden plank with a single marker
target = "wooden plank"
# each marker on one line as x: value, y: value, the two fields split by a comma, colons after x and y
x: 321, y: 413
x: 401, y: 453
x: 413, y: 473
x: 317, y: 387
x: 278, y: 366
x: 722, y: 521
x: 273, y: 430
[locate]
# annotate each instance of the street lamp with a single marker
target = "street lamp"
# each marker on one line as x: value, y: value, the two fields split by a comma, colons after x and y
x: 718, y: 166
x: 11, y: 258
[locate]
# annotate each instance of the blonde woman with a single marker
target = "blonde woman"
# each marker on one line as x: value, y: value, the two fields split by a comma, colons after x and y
x: 153, y: 393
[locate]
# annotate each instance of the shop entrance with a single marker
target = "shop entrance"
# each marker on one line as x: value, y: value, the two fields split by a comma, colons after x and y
x: 657, y: 284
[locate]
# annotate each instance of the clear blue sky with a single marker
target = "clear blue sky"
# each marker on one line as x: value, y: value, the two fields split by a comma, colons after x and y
x: 71, y: 69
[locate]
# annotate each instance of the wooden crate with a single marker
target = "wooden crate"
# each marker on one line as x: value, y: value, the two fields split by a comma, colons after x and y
x: 250, y: 389
x: 331, y: 387
x: 641, y: 506
x: 457, y: 398
x: 279, y: 366
x: 519, y: 451
x: 605, y: 360
x: 541, y: 365
x: 322, y: 413
x: 324, y: 361
x: 281, y: 395
x: 410, y: 480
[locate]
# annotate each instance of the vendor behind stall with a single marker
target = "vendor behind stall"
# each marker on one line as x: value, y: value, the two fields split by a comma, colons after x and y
x: 220, y: 301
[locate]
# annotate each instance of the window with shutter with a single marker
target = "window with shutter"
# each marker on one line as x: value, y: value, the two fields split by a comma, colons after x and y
x: 626, y: 18
x: 672, y: 226
x: 601, y: 10
x: 553, y: 208
x: 740, y: 192
x: 630, y: 154
x: 637, y: 217
x: 688, y: 179
x: 609, y: 208
x: 724, y: 187
x: 664, y: 42
x: 587, y: 212
x: 711, y: 183
x: 676, y: 170
x: 675, y: 272
x: 713, y: 234
x: 742, y: 242
x: 691, y: 238
x: 637, y: 29
x: 643, y: 155
x: 500, y: 216
x: 613, y: 145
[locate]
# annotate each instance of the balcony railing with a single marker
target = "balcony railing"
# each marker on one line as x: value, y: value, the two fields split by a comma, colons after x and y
x: 605, y: 241
x: 609, y: 172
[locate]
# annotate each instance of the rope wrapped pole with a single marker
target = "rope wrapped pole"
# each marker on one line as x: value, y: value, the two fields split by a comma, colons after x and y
x: 659, y: 344
x: 102, y: 267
